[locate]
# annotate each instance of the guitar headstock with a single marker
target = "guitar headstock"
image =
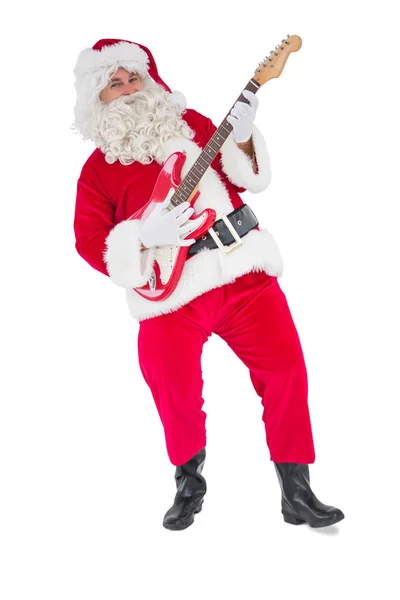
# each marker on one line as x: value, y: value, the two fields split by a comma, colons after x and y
x: 272, y: 65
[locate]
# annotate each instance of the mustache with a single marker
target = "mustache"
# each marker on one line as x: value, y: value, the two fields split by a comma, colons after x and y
x: 135, y: 96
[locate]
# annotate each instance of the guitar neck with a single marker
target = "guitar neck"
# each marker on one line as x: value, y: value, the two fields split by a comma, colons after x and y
x: 189, y: 183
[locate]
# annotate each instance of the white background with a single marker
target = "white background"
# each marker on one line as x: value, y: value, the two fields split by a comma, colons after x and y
x: 85, y: 479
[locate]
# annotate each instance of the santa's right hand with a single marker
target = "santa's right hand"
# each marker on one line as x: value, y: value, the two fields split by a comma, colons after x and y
x: 164, y: 227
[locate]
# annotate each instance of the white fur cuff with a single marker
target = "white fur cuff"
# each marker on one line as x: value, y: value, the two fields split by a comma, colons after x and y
x: 127, y: 266
x: 238, y: 167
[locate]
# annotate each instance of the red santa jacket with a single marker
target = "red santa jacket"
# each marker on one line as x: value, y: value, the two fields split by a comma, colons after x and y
x: 108, y: 194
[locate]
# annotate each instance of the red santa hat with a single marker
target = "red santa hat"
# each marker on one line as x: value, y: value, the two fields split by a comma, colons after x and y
x: 93, y: 65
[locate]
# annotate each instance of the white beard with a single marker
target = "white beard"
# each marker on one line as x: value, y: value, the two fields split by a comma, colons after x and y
x: 134, y: 128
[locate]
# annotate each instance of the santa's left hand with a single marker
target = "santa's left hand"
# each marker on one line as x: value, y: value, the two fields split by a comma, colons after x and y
x: 242, y: 117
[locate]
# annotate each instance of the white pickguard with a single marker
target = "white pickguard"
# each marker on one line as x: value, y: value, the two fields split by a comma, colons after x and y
x: 166, y: 255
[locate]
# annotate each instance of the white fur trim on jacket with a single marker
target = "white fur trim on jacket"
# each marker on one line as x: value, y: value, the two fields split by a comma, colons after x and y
x: 238, y: 167
x: 213, y: 193
x: 127, y: 266
x: 210, y: 269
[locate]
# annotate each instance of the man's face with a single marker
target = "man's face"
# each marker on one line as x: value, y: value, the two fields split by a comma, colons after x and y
x: 122, y: 83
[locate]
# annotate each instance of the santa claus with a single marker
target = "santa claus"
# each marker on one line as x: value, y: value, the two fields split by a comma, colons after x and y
x: 136, y: 123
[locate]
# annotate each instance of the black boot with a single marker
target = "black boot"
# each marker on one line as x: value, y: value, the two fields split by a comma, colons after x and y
x: 299, y: 503
x: 191, y: 487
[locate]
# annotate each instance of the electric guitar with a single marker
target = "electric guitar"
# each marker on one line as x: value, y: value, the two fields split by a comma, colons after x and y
x: 170, y: 260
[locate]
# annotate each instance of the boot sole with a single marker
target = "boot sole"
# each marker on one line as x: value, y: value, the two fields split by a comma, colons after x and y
x: 297, y: 521
x: 185, y: 525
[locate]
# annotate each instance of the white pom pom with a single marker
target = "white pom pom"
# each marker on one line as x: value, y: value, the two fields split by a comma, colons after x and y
x: 178, y: 98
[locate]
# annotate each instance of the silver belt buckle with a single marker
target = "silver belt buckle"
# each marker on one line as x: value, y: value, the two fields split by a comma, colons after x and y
x: 226, y: 249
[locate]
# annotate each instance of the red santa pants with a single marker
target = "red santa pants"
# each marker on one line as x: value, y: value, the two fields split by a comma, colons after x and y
x: 252, y: 316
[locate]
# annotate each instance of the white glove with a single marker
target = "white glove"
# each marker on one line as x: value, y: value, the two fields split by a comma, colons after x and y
x: 163, y: 227
x: 242, y: 117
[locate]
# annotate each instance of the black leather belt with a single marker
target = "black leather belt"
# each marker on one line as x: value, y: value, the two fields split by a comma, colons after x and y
x: 242, y: 219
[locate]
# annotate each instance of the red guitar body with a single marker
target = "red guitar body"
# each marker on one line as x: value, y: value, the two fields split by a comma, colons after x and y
x: 170, y: 260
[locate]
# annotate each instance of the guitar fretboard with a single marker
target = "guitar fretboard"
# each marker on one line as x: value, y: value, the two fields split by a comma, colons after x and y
x: 188, y: 184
